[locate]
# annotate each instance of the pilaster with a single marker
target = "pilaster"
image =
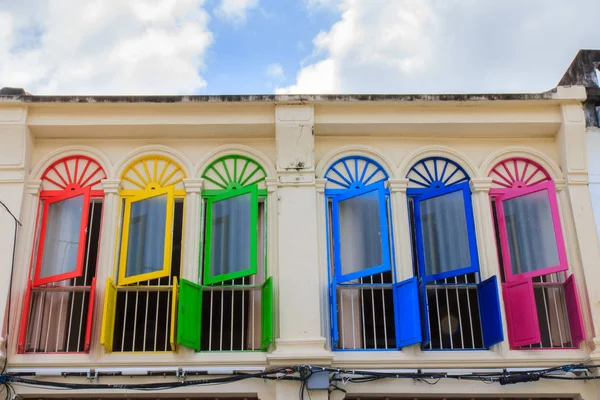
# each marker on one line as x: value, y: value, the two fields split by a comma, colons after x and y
x: 401, y: 228
x: 301, y: 334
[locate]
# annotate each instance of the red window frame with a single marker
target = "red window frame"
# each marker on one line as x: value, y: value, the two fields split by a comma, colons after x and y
x: 37, y: 280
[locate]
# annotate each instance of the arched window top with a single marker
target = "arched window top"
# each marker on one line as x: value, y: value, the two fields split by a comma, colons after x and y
x: 72, y: 173
x: 354, y: 172
x: 152, y: 172
x: 234, y: 172
x: 518, y: 173
x: 436, y: 172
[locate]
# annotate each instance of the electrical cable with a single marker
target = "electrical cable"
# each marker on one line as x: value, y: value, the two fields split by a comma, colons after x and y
x: 10, y: 282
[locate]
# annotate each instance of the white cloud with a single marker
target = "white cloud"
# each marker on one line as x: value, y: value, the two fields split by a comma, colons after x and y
x: 235, y: 11
x: 437, y: 46
x: 275, y: 72
x: 104, y: 46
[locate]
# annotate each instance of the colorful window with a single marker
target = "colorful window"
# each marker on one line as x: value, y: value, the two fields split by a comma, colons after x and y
x: 57, y: 312
x: 232, y: 308
x: 541, y: 300
x: 364, y: 295
x: 458, y: 311
x: 139, y: 306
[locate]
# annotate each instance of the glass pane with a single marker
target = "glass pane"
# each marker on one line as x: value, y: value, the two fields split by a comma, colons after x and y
x: 360, y: 233
x: 530, y: 231
x: 146, y: 241
x: 445, y: 235
x: 61, y: 242
x: 230, y: 246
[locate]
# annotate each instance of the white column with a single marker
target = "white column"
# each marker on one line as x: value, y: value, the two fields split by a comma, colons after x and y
x: 300, y: 307
x: 192, y: 231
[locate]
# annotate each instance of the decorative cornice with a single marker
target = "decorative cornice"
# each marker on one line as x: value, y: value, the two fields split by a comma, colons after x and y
x: 193, y: 185
x: 320, y: 185
x: 33, y: 187
x: 398, y: 185
x: 481, y: 184
x: 111, y: 186
x: 271, y: 184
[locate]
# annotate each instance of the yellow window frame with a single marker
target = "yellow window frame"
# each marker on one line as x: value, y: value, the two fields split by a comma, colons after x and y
x: 166, y: 270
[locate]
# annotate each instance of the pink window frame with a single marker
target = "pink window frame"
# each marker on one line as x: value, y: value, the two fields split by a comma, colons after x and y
x: 507, y: 194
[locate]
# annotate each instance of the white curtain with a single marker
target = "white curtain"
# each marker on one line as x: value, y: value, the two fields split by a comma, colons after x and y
x: 530, y: 231
x: 445, y: 234
x: 62, y: 237
x: 360, y: 233
x: 146, y: 242
x: 230, y: 245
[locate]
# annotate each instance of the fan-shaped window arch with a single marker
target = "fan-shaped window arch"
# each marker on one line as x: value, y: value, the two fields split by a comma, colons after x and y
x: 458, y: 311
x: 140, y: 308
x: 57, y: 313
x: 364, y: 296
x: 533, y: 257
x: 233, y: 262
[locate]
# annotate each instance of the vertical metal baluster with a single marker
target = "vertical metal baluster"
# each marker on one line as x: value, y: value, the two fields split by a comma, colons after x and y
x: 341, y: 326
x: 146, y: 316
x: 60, y: 312
x: 156, y: 320
x: 462, y: 338
x: 558, y: 319
x: 210, y: 320
x: 124, y: 321
x: 243, y: 292
x: 385, y: 335
x: 137, y: 297
x: 73, y: 295
x: 167, y: 320
x: 470, y: 316
x: 373, y: 311
x: 231, y: 327
x: 547, y: 316
x: 48, y: 325
x: 449, y: 316
x: 439, y: 314
x: 353, y: 321
x: 221, y: 331
x: 364, y: 325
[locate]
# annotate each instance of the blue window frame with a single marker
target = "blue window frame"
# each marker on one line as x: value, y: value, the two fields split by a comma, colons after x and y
x: 456, y: 311
x: 360, y: 233
x: 362, y: 288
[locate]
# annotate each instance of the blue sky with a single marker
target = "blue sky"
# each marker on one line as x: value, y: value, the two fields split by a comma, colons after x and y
x: 275, y: 33
x: 285, y: 46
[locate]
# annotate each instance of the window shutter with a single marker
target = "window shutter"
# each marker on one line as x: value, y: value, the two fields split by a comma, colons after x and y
x: 266, y: 331
x: 521, y: 313
x: 489, y: 309
x: 90, y: 316
x: 25, y: 318
x: 424, y: 312
x: 407, y: 312
x: 189, y: 318
x: 108, y: 317
x: 175, y: 290
x: 334, y: 321
x: 574, y: 311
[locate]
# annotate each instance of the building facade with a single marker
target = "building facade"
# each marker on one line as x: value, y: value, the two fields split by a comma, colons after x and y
x: 164, y: 238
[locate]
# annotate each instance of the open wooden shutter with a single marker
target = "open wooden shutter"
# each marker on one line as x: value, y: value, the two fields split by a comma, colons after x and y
x: 521, y: 313
x: 173, y: 338
x: 574, y: 311
x: 489, y: 309
x: 266, y: 332
x: 108, y: 316
x: 25, y: 318
x: 90, y: 316
x: 189, y: 318
x: 407, y: 313
x: 335, y: 335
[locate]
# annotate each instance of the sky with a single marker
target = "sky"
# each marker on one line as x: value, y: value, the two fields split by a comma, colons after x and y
x: 116, y: 47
